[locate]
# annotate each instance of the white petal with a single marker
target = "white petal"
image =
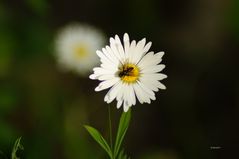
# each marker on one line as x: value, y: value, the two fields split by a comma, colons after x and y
x: 132, y: 94
x: 138, y: 53
x: 127, y: 100
x: 120, y: 95
x: 141, y: 43
x: 108, y: 55
x: 150, y: 84
x: 116, y: 59
x: 147, y: 90
x: 93, y: 76
x: 119, y: 103
x: 146, y: 60
x: 155, y: 76
x: 115, y: 50
x: 112, y: 93
x: 132, y: 50
x: 137, y: 93
x: 141, y: 95
x: 106, y: 84
x: 119, y: 46
x: 160, y: 54
x: 126, y: 45
x: 109, y: 67
x: 160, y: 85
x: 127, y: 97
x: 153, y: 69
x: 126, y: 37
x: 151, y: 59
x: 153, y: 84
x: 126, y: 107
x: 106, y: 77
x: 103, y: 58
x: 147, y: 47
x: 102, y: 71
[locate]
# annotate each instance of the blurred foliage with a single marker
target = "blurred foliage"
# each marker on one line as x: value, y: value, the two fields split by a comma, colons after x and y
x: 166, y: 154
x: 38, y: 6
x: 17, y: 147
x: 233, y: 18
x: 48, y: 108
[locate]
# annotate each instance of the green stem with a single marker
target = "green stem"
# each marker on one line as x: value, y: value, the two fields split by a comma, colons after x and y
x: 110, y: 131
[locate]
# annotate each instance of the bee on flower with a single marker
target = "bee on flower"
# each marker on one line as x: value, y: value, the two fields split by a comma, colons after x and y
x: 75, y: 47
x: 130, y: 71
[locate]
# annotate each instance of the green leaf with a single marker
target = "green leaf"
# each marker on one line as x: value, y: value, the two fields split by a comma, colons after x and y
x: 122, y: 155
x: 99, y: 139
x: 17, y: 146
x: 123, y: 126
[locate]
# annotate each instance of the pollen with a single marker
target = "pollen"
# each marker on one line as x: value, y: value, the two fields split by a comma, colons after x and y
x: 129, y: 73
x: 80, y: 51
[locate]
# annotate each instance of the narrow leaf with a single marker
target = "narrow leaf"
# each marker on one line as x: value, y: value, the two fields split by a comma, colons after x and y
x: 122, y: 155
x: 123, y: 126
x: 17, y: 146
x: 99, y: 139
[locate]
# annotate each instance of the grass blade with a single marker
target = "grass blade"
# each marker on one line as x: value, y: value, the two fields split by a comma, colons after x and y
x: 122, y: 129
x: 99, y: 139
x: 17, y: 146
x: 122, y: 155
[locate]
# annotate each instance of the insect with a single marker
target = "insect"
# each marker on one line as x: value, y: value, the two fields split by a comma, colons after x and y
x: 126, y: 71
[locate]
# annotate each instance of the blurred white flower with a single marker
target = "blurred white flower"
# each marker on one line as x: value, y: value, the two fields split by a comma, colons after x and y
x: 130, y: 70
x: 75, y: 48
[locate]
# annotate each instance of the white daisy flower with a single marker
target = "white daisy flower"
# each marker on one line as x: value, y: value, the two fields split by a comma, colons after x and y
x: 130, y: 70
x: 75, y: 48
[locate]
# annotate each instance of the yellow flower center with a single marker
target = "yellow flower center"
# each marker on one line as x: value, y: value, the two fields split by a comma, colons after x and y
x: 80, y: 51
x: 129, y: 73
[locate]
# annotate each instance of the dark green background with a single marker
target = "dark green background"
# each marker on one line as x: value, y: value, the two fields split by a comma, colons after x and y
x: 48, y: 108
